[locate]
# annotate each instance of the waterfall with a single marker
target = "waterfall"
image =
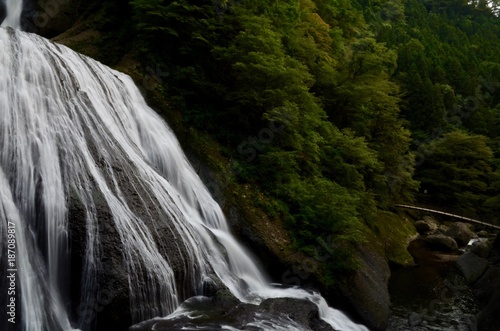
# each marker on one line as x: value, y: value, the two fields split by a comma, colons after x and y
x: 13, y: 18
x: 79, y: 148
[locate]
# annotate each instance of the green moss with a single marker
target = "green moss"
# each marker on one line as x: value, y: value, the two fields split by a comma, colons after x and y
x: 390, y: 235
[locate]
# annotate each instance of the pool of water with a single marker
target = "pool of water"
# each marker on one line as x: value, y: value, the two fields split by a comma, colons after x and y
x: 431, y: 297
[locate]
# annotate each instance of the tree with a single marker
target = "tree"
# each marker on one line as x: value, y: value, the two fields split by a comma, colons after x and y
x: 456, y: 170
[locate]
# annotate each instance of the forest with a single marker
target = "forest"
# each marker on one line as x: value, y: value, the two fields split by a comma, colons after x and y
x: 329, y: 112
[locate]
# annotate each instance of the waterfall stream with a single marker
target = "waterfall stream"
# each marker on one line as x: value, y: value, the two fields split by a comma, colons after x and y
x: 72, y: 129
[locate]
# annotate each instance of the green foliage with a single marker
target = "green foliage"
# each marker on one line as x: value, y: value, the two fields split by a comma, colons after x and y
x: 458, y: 168
x: 318, y: 206
x: 314, y: 101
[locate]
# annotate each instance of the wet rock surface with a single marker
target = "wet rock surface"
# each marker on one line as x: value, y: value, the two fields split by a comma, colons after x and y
x: 457, y: 271
x: 461, y: 233
x: 472, y: 266
x: 204, y: 313
x: 440, y: 242
x: 481, y: 248
x: 424, y: 227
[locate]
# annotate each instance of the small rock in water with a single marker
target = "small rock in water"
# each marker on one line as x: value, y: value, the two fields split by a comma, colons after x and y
x: 414, y: 319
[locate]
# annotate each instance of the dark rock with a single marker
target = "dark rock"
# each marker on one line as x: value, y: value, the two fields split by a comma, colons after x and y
x: 426, y: 256
x: 440, y: 243
x: 300, y: 311
x: 211, y: 285
x: 368, y: 292
x: 225, y: 300
x: 210, y: 316
x: 431, y: 220
x: 414, y: 319
x: 472, y: 266
x: 486, y: 286
x: 53, y: 17
x: 441, y: 229
x: 110, y: 305
x: 496, y: 244
x: 488, y: 318
x: 481, y: 248
x: 483, y: 234
x: 461, y: 233
x: 424, y: 227
x: 112, y: 296
x: 2, y: 11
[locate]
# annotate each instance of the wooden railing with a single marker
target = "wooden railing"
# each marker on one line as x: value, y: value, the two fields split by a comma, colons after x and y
x: 462, y: 218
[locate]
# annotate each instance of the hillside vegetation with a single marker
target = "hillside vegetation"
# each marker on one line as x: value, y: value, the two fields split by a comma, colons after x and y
x: 328, y: 111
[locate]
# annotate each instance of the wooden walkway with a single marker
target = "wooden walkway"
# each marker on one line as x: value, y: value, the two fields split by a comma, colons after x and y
x: 466, y: 219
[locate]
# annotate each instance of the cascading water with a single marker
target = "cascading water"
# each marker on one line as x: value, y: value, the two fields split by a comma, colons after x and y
x: 14, y: 9
x: 76, y: 133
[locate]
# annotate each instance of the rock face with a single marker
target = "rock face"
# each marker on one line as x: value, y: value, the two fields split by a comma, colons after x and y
x: 110, y: 308
x: 53, y: 17
x: 113, y: 297
x: 368, y: 292
x: 461, y: 233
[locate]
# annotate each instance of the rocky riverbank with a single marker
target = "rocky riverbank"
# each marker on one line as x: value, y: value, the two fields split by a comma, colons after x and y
x: 459, y: 268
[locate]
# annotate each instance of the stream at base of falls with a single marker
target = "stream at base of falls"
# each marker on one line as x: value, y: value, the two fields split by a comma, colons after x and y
x: 432, y: 296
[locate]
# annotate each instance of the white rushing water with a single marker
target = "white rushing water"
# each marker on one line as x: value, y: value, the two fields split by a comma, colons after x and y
x: 14, y: 10
x: 69, y: 127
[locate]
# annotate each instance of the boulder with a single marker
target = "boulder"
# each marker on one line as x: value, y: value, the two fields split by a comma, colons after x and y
x: 424, y: 227
x: 440, y: 243
x: 472, y: 266
x: 425, y: 255
x: 486, y: 285
x: 496, y: 244
x: 441, y: 229
x: 461, y: 233
x: 487, y: 319
x: 481, y: 248
x: 483, y: 234
x: 301, y: 312
x: 431, y: 220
